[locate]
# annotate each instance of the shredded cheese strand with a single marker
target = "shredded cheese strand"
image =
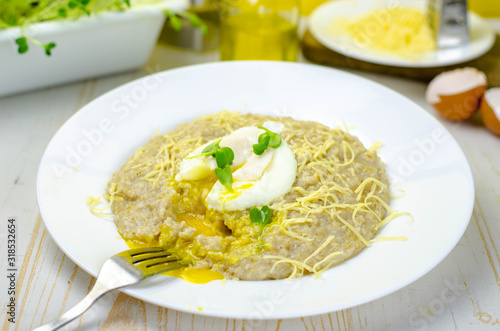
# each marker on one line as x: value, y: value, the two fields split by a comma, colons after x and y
x: 382, y: 238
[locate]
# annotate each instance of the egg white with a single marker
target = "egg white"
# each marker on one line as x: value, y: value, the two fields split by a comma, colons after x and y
x: 276, y: 181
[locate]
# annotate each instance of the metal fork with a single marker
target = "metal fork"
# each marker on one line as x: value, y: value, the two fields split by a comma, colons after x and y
x: 123, y: 269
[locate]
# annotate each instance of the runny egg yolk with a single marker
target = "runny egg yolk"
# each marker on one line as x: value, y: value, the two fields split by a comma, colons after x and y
x: 195, y: 275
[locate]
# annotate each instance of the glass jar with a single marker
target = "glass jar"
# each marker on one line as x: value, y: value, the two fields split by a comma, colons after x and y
x: 193, y: 37
x: 308, y: 6
x: 259, y: 30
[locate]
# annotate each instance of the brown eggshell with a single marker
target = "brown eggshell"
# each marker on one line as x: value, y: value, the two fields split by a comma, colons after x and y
x: 456, y: 94
x: 488, y: 114
x: 461, y: 106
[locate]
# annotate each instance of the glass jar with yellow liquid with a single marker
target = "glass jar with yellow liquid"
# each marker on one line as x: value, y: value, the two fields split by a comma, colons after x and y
x: 259, y: 30
x: 308, y: 6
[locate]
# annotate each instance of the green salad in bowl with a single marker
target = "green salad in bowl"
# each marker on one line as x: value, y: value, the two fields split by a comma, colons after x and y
x: 24, y: 13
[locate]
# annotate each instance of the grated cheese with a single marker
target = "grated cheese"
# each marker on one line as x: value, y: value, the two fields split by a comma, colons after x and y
x: 382, y: 238
x: 403, y: 32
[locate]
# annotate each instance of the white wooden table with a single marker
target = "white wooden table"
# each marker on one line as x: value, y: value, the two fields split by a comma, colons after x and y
x: 462, y: 292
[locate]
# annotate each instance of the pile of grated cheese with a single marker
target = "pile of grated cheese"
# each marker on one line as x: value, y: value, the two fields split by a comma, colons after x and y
x: 402, y: 32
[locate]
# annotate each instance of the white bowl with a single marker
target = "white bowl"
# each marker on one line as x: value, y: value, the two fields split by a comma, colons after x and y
x: 92, y: 46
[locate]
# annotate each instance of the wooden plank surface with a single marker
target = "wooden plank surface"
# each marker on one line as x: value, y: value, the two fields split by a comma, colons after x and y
x: 462, y: 292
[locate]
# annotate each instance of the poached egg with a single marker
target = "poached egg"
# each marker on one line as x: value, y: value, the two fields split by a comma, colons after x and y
x: 257, y: 179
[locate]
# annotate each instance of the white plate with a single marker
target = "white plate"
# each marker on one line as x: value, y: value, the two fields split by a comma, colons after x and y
x: 482, y: 36
x: 421, y: 155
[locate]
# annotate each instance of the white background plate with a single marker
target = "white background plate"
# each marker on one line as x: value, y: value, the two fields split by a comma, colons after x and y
x: 421, y: 155
x: 320, y: 24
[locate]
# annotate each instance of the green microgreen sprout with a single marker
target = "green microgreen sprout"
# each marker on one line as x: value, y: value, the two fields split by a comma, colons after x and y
x: 261, y: 147
x: 212, y: 148
x: 224, y: 157
x: 48, y: 48
x: 175, y: 21
x: 23, y: 13
x: 225, y: 177
x: 268, y: 138
x: 260, y: 217
x: 22, y: 45
x: 208, y: 150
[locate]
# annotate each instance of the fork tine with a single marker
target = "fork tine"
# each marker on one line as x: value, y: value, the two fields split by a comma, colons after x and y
x: 143, y: 250
x: 159, y: 268
x: 149, y: 256
x: 130, y: 254
x: 161, y: 260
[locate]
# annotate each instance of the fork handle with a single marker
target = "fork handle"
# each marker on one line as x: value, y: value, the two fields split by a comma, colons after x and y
x: 97, y: 291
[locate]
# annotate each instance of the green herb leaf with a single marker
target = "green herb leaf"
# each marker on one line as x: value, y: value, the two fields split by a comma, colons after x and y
x: 194, y: 20
x: 266, y: 139
x: 212, y: 147
x: 267, y: 215
x: 260, y: 217
x: 203, y: 28
x: 22, y: 44
x: 21, y: 41
x: 209, y: 150
x: 175, y: 22
x: 275, y: 141
x: 225, y: 177
x: 22, y: 49
x: 224, y: 157
x: 256, y: 216
x: 62, y: 12
x: 261, y: 147
x: 48, y: 48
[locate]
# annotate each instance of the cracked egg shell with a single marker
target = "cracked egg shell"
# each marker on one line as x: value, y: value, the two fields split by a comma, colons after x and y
x: 490, y: 110
x: 456, y: 94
